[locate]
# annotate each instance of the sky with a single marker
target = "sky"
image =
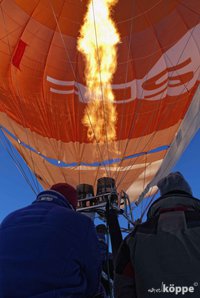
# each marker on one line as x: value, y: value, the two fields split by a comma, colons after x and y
x: 16, y: 193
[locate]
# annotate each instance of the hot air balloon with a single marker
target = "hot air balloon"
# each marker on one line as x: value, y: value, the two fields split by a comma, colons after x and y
x: 152, y: 80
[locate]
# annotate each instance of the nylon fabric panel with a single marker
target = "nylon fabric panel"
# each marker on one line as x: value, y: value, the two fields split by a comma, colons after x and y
x: 141, y: 170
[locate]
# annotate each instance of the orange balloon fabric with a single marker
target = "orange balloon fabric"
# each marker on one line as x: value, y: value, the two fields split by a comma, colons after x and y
x: 43, y: 91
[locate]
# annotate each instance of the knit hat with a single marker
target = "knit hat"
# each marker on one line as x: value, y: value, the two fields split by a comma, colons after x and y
x: 67, y: 191
x: 174, y: 182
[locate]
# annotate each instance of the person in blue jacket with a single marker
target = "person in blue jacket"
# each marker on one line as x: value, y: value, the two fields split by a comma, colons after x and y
x: 49, y: 250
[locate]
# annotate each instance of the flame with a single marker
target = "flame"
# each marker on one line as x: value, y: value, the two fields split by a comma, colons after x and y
x: 98, y: 43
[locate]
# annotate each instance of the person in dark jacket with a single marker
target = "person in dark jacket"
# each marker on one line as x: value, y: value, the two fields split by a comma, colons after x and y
x: 49, y: 250
x: 161, y: 257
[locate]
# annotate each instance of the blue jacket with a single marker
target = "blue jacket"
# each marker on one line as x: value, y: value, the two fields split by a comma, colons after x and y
x: 48, y: 250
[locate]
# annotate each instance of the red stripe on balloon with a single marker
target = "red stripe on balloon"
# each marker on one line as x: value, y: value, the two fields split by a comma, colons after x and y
x: 19, y: 53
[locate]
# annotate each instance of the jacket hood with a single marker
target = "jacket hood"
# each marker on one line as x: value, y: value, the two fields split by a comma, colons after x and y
x: 174, y: 182
x: 53, y: 196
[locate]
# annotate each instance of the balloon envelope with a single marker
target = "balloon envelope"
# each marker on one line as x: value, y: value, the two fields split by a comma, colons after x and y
x: 43, y: 91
